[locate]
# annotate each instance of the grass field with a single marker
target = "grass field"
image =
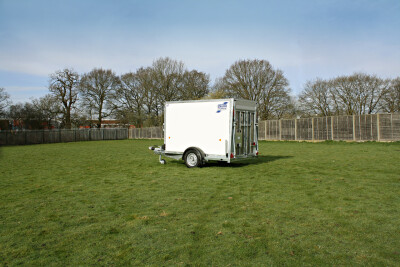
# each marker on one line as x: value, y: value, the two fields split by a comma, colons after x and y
x: 112, y: 203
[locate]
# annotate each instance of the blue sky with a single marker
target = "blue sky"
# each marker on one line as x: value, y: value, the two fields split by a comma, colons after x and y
x: 305, y: 39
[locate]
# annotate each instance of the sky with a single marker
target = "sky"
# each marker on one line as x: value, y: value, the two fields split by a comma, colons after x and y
x: 305, y: 39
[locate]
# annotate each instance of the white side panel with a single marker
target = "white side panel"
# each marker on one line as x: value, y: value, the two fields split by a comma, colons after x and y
x: 203, y: 124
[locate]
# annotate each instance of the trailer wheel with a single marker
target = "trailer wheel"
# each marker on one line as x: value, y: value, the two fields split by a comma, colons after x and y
x: 193, y: 158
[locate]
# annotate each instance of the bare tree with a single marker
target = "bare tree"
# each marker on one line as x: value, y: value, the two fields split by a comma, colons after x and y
x: 316, y: 98
x: 4, y: 101
x: 343, y: 92
x: 150, y: 93
x: 25, y: 116
x: 37, y: 114
x: 390, y: 101
x: 217, y: 90
x: 168, y: 79
x: 249, y: 79
x: 63, y: 85
x: 257, y: 80
x: 97, y: 88
x: 48, y: 108
x: 195, y: 85
x: 359, y: 93
x: 129, y: 98
x: 141, y: 96
x: 16, y: 112
x: 136, y: 99
x: 370, y: 90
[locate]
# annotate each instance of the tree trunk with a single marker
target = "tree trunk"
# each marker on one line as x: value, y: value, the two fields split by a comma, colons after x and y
x: 68, y: 119
x: 99, y: 119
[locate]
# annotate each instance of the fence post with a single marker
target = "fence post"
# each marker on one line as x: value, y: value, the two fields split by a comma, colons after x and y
x: 378, y: 127
x: 354, y: 127
x: 332, y: 127
x: 295, y: 129
x: 372, y: 130
x: 391, y: 124
x: 75, y: 135
x: 280, y: 129
x: 269, y: 129
x: 312, y: 129
x: 265, y: 127
x: 42, y: 136
x: 326, y: 127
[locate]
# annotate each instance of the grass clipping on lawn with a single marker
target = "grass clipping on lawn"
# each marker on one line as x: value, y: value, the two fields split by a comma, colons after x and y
x: 111, y: 202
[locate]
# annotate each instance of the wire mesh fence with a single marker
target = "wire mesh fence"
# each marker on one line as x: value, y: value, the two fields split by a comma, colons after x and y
x: 339, y: 128
x: 371, y: 127
x: 60, y: 136
x: 146, y: 133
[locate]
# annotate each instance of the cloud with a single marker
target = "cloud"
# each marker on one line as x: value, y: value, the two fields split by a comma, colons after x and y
x: 301, y: 61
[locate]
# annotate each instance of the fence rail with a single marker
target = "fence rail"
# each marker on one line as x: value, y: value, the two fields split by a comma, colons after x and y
x: 373, y: 127
x: 60, y: 136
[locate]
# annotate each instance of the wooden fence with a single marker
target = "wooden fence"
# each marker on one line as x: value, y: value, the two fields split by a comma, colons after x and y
x: 60, y: 136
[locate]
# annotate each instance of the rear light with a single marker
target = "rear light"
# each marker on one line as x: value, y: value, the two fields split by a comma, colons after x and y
x: 257, y: 153
x: 232, y: 156
x: 254, y: 143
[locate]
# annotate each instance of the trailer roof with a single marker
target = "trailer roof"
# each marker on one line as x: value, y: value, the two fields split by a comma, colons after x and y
x: 214, y: 100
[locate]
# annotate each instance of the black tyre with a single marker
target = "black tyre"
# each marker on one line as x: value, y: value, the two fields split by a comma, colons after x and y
x: 193, y: 158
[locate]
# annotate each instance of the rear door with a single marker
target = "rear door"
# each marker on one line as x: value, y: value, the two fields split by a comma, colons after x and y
x: 244, y: 129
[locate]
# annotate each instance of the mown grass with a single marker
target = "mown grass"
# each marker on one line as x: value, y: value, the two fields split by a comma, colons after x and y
x: 112, y: 203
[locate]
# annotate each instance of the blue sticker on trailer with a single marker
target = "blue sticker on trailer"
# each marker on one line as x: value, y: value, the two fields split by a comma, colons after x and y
x: 222, y: 106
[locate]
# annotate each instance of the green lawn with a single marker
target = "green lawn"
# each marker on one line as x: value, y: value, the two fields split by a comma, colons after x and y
x: 112, y: 203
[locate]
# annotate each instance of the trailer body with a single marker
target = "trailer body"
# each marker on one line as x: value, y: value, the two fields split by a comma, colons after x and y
x: 218, y: 129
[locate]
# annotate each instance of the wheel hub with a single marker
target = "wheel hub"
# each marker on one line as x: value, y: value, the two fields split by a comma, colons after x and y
x: 192, y: 159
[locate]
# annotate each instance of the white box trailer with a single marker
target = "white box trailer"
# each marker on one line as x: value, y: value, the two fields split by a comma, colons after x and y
x: 198, y: 131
